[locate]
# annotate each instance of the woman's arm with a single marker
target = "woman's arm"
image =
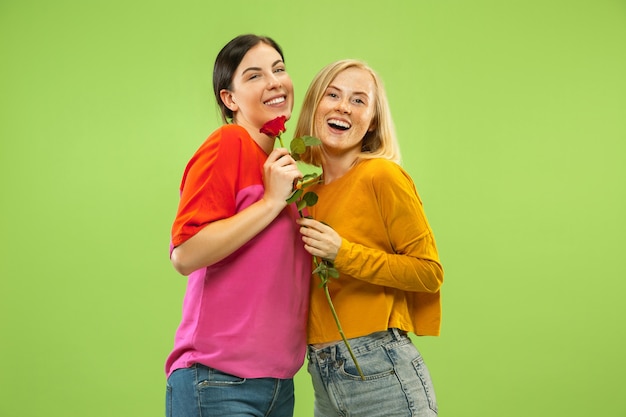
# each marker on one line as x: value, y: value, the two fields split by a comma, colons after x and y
x: 406, y: 257
x: 408, y: 272
x: 220, y: 238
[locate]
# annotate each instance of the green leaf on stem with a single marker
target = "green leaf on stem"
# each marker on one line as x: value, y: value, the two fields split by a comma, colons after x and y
x: 333, y: 272
x: 295, y: 195
x: 311, y: 140
x: 298, y: 146
x: 310, y: 198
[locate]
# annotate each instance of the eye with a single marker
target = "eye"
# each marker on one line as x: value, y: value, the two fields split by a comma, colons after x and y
x: 280, y: 69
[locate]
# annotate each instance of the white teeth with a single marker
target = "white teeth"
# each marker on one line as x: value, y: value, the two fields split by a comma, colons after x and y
x: 276, y: 101
x: 339, y: 123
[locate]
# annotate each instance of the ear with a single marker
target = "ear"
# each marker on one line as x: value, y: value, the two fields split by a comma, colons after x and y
x: 227, y: 99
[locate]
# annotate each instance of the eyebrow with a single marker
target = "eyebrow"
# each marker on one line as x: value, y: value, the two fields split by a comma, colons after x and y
x: 277, y: 62
x: 358, y: 93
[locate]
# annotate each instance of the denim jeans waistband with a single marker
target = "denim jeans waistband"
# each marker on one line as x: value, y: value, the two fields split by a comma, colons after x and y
x: 358, y: 344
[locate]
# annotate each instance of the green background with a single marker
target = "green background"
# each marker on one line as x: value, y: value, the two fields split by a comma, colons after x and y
x: 512, y: 121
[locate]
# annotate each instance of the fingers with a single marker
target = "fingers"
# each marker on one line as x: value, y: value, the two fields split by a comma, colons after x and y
x: 310, y: 223
x: 319, y: 239
x: 280, y: 159
x: 278, y: 154
x: 280, y: 171
x: 314, y: 225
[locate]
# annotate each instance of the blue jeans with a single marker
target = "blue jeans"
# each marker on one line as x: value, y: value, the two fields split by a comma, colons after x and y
x: 200, y: 391
x: 397, y: 382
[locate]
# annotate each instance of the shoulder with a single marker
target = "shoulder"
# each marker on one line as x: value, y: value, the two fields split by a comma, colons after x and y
x: 233, y: 130
x: 230, y: 132
x: 222, y: 143
x: 233, y: 136
x: 379, y: 169
x: 388, y: 178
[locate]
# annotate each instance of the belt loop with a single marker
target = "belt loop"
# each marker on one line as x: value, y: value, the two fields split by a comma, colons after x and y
x: 396, y: 333
x: 333, y: 352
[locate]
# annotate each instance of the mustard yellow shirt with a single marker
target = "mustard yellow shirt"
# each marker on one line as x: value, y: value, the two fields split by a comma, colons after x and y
x: 390, y: 273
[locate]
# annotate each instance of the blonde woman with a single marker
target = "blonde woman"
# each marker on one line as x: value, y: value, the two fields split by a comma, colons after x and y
x: 369, y: 221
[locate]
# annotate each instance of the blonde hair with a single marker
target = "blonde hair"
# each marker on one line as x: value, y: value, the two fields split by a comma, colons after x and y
x: 381, y: 142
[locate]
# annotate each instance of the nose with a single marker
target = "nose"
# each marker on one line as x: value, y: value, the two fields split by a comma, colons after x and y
x: 273, y: 82
x: 343, y: 106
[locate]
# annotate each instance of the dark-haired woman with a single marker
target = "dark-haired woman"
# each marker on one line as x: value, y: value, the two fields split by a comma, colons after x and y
x: 242, y: 334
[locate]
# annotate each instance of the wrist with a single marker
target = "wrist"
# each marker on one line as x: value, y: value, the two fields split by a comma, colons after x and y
x: 272, y: 205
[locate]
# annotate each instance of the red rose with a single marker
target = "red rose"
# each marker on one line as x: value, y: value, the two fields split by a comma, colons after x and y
x: 274, y: 127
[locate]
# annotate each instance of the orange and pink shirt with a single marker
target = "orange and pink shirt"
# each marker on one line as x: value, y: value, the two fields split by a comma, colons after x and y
x: 246, y: 314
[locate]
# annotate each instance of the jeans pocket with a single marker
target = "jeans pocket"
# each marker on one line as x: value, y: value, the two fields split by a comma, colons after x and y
x: 374, y: 365
x: 215, y: 377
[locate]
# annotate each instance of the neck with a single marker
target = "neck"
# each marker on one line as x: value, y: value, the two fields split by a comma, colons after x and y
x: 335, y: 167
x: 265, y: 142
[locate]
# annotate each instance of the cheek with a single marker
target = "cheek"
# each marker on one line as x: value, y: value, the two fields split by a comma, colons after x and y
x: 318, y: 123
x: 289, y: 87
x: 369, y: 122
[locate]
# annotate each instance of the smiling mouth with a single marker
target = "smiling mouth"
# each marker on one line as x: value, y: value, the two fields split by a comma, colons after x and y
x: 339, y: 124
x: 277, y: 100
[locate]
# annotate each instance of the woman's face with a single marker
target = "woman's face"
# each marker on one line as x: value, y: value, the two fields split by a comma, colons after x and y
x: 345, y: 113
x: 261, y: 89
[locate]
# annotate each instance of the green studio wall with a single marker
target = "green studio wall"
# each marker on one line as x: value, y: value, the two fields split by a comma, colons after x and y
x: 511, y: 116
